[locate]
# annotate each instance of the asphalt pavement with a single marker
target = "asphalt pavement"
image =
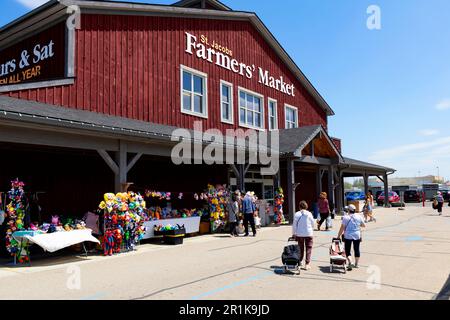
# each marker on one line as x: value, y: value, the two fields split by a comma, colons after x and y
x: 405, y: 255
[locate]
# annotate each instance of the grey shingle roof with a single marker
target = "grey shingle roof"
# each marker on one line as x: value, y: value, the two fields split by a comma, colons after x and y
x: 293, y: 139
x: 35, y: 112
x: 353, y: 163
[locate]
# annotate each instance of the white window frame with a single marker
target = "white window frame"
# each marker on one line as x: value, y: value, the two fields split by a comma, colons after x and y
x: 269, y: 100
x: 205, y: 92
x: 287, y: 106
x: 231, y: 102
x: 258, y: 95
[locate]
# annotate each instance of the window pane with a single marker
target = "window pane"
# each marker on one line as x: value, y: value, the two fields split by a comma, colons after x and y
x: 258, y: 120
x: 187, y: 101
x: 242, y: 115
x: 198, y: 104
x: 198, y: 84
x: 187, y: 85
x: 226, y: 111
x: 257, y: 104
x: 225, y: 93
x: 249, y: 102
x: 271, y: 123
x: 250, y: 117
x: 271, y: 109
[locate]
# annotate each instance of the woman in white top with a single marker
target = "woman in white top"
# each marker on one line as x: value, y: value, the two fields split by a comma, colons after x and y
x: 303, y: 230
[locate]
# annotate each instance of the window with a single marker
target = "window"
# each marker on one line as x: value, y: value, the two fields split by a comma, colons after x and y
x: 291, y: 114
x: 273, y: 118
x: 226, y: 102
x: 193, y: 92
x: 251, y: 112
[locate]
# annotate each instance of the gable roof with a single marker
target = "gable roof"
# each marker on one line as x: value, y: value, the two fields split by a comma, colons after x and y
x: 199, y: 3
x: 57, y: 10
x: 293, y: 141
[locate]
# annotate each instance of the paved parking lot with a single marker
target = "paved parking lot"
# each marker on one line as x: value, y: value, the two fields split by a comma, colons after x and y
x: 405, y: 255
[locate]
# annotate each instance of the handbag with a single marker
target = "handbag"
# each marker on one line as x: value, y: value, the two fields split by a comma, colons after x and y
x: 329, y: 222
x: 435, y: 204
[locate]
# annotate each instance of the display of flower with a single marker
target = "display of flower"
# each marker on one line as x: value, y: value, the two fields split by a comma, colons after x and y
x: 124, y: 215
x: 15, y: 213
x: 278, y: 206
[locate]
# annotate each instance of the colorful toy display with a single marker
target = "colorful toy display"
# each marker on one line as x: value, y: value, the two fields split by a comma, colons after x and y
x: 278, y: 207
x: 217, y: 199
x: 158, y: 213
x: 124, y: 215
x: 15, y: 213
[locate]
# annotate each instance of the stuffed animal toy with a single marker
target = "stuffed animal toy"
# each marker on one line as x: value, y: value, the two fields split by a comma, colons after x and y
x: 55, y: 220
x: 15, y: 214
x: 117, y: 240
x: 108, y: 243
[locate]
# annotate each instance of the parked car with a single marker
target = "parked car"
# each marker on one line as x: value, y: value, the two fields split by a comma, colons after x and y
x: 355, y: 196
x: 393, y: 198
x: 445, y: 194
x: 412, y: 196
x: 378, y: 194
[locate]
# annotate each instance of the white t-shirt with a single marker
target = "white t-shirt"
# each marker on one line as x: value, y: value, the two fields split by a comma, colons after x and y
x: 352, y: 224
x: 303, y: 225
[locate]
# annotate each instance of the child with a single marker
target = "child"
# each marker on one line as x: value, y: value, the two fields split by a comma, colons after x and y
x: 257, y: 219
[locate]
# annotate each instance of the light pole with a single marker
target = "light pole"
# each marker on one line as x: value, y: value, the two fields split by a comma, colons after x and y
x: 438, y: 174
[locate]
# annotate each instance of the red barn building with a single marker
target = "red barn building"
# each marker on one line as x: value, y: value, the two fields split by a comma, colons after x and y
x: 91, y: 92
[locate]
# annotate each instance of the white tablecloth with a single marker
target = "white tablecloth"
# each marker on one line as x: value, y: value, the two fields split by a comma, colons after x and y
x: 55, y: 241
x: 192, y: 225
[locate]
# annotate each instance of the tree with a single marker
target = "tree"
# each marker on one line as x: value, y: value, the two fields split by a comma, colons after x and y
x: 347, y: 185
x: 358, y: 183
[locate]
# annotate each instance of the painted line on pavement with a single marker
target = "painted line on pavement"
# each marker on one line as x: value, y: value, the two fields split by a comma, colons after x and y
x: 414, y: 238
x: 233, y: 285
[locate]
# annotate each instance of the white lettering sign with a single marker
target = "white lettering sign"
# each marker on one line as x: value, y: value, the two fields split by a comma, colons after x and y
x: 222, y: 56
x: 39, y: 53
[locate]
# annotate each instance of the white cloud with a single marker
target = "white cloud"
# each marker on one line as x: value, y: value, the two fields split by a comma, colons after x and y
x: 409, y: 159
x: 32, y: 3
x: 443, y: 105
x: 428, y: 132
x: 395, y: 152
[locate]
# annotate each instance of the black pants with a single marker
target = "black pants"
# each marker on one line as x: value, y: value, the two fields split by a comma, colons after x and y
x: 348, y: 247
x: 233, y: 229
x: 439, y: 207
x: 323, y: 218
x: 248, y: 217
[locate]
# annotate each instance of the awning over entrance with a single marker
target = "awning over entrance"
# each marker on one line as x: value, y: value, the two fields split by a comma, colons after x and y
x: 310, y: 150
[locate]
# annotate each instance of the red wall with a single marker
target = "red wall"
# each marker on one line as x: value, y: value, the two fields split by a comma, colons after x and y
x: 128, y: 66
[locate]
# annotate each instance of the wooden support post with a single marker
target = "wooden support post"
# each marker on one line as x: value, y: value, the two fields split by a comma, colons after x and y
x: 290, y: 188
x: 366, y: 183
x: 331, y: 195
x: 339, y: 193
x: 386, y: 191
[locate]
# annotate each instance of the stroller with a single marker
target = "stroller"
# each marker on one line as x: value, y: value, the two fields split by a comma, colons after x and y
x: 337, y: 255
x: 291, y: 257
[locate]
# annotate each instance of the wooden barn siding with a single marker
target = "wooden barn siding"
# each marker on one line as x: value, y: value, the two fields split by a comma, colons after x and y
x: 128, y: 66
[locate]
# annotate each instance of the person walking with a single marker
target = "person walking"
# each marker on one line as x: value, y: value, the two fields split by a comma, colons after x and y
x: 302, y: 231
x: 248, y: 209
x: 351, y: 229
x: 368, y: 208
x: 439, y: 202
x: 233, y: 215
x: 324, y: 210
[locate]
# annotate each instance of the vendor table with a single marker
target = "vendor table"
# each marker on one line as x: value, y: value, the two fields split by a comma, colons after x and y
x: 192, y: 225
x: 55, y: 241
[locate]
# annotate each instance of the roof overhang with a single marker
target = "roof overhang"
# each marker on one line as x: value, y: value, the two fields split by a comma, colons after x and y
x: 303, y: 137
x: 55, y: 10
x: 357, y: 167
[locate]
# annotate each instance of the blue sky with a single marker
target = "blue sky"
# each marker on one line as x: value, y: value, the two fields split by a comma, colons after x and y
x: 390, y: 88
